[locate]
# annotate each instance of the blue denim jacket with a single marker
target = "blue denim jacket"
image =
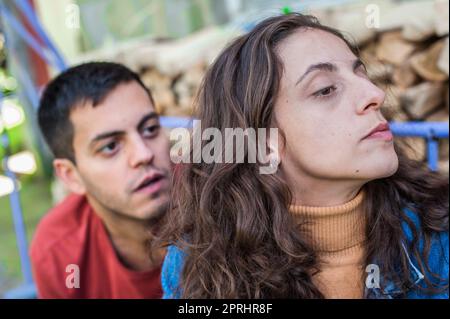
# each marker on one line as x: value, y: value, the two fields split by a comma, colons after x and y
x: 438, y: 262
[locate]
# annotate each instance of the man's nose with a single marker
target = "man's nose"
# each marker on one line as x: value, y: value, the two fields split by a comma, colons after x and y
x: 140, y: 153
x: 371, y: 97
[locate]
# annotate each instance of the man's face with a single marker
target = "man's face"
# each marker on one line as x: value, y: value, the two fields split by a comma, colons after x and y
x: 122, y: 154
x: 326, y: 112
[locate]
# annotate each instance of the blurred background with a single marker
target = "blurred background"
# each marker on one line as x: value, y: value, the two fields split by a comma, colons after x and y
x: 170, y: 43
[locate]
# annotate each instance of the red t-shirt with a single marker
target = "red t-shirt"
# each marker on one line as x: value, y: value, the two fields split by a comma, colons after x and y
x: 72, y: 234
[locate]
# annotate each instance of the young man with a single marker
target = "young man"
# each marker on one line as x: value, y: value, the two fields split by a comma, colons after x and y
x: 100, y: 123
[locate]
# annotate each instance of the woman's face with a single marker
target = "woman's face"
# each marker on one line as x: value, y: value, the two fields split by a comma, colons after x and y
x: 326, y: 107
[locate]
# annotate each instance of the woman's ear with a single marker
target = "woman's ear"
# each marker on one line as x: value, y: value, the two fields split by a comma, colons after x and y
x: 274, y: 150
x: 272, y: 156
x: 66, y: 170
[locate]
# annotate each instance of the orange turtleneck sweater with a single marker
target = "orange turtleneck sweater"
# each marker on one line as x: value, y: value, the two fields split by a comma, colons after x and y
x: 337, y: 233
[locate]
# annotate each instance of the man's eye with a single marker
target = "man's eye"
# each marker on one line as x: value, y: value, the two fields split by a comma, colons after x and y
x: 109, y: 148
x: 151, y: 130
x: 325, y: 92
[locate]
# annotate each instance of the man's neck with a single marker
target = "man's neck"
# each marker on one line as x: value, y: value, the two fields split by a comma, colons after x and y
x: 131, y: 240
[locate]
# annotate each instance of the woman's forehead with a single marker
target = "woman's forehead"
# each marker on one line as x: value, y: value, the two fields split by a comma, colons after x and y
x: 313, y: 46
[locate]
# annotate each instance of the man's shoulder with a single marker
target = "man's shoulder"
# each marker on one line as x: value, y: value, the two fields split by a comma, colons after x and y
x: 64, y: 223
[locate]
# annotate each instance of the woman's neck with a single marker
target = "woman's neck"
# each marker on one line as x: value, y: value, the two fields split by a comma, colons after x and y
x: 309, y: 191
x: 332, y: 228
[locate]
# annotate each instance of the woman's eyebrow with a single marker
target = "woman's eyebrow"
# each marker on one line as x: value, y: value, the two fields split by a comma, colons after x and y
x: 329, y: 67
x: 326, y: 66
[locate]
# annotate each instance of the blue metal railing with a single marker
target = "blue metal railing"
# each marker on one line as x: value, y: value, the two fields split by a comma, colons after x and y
x: 26, y: 9
x: 430, y: 131
x: 52, y: 57
x: 14, y: 201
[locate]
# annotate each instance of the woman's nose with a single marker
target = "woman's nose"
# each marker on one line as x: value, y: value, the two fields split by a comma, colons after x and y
x: 372, y: 97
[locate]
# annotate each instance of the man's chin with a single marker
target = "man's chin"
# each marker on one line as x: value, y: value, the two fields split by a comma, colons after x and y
x: 152, y: 212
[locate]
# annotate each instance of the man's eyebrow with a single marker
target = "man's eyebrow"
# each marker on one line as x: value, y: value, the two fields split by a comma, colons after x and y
x: 329, y: 67
x: 145, y: 118
x: 106, y: 135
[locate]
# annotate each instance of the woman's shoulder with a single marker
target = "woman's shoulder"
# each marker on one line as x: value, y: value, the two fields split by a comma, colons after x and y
x: 438, y: 253
x: 171, y: 272
x: 439, y: 240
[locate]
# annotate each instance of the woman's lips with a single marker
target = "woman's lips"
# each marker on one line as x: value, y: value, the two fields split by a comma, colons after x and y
x: 381, y: 131
x: 383, y: 135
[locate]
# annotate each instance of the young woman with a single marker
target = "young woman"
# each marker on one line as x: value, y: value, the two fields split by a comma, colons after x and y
x: 346, y: 215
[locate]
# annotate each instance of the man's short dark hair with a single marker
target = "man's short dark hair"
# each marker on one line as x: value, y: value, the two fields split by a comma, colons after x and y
x: 89, y: 82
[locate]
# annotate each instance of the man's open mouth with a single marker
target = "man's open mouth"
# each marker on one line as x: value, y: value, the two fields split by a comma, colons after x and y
x: 149, y: 182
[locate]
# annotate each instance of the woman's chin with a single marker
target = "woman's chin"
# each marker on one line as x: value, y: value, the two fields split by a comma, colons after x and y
x: 387, y: 168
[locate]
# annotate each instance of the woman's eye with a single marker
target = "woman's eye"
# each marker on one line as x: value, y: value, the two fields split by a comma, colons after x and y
x: 362, y: 70
x: 325, y: 92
